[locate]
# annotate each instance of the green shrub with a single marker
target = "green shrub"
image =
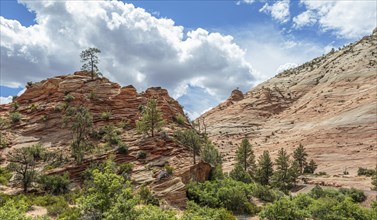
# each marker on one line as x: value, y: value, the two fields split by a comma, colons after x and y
x: 14, y: 209
x: 3, y: 141
x: 264, y: 193
x: 147, y: 197
x: 141, y: 155
x: 106, y: 115
x: 356, y: 194
x: 194, y: 211
x: 33, y: 107
x: 284, y: 208
x: 55, y: 184
x: 15, y: 105
x: 15, y: 117
x: 150, y: 212
x: 68, y: 98
x: 125, y: 170
x: 122, y: 148
x: 169, y: 169
x: 180, y: 119
x: 57, y: 208
x: 37, y: 151
x: 365, y: 171
x: 92, y: 95
x: 5, y: 176
x: 230, y: 194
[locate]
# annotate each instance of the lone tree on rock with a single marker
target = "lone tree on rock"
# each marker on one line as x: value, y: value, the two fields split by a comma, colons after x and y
x: 151, y: 118
x: 90, y: 59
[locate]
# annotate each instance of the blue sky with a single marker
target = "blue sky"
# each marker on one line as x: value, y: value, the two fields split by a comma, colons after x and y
x: 198, y: 50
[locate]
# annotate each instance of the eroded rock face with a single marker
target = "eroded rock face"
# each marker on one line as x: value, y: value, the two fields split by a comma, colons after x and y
x: 42, y: 109
x: 327, y: 104
x: 236, y: 95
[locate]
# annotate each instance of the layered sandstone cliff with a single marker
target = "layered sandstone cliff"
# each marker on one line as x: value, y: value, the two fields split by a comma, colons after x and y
x: 328, y: 104
x: 42, y: 110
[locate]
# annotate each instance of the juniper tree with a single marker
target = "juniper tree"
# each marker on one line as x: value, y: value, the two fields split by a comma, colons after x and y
x: 90, y: 59
x: 300, y: 155
x: 191, y: 140
x: 80, y: 122
x: 22, y: 161
x: 264, y: 168
x: 151, y: 118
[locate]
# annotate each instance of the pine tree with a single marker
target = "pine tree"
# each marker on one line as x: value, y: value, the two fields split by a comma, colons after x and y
x: 151, y: 119
x: 264, y: 169
x: 191, y: 140
x: 300, y: 156
x: 245, y: 156
x: 90, y: 59
x: 281, y: 178
x: 311, y: 167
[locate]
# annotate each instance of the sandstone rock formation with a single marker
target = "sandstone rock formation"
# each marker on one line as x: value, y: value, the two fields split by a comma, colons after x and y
x: 328, y: 104
x: 42, y: 104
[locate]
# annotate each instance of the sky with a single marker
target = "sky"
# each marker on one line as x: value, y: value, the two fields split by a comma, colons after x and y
x: 199, y: 50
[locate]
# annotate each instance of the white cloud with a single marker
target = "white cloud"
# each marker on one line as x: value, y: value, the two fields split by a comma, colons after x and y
x: 5, y: 100
x: 286, y: 66
x: 279, y: 10
x: 249, y: 2
x: 306, y: 18
x: 268, y: 49
x: 137, y: 48
x: 347, y: 19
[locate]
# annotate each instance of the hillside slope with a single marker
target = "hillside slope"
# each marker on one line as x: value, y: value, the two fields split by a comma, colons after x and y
x: 328, y: 104
x: 42, y: 108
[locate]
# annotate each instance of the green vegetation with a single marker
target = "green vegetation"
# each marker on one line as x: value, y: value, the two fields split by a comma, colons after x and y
x: 80, y: 122
x: 68, y: 98
x: 151, y: 119
x: 3, y: 141
x: 285, y: 175
x: 141, y: 155
x: 106, y: 115
x: 365, y: 171
x: 90, y: 59
x: 264, y: 169
x: 5, y: 175
x: 180, y: 119
x: 55, y: 184
x: 190, y: 139
x: 311, y: 167
x: 300, y: 156
x: 245, y: 167
x: 22, y: 162
x: 15, y: 117
x: 374, y: 180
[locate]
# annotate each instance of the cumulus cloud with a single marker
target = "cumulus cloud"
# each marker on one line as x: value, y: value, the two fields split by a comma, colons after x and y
x: 306, y: 18
x: 347, y: 19
x: 5, y: 100
x: 286, y: 66
x: 279, y: 10
x: 137, y: 48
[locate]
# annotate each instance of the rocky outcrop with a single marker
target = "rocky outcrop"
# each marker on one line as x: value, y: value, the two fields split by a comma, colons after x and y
x: 327, y: 104
x: 42, y: 108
